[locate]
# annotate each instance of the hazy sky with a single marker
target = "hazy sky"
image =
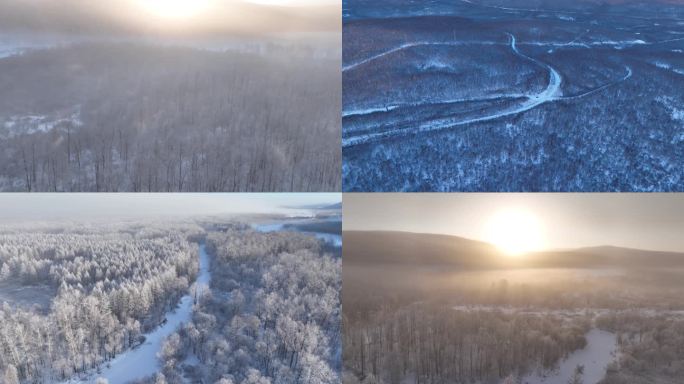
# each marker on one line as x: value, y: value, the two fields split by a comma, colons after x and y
x: 184, y: 17
x: 646, y: 221
x: 49, y: 207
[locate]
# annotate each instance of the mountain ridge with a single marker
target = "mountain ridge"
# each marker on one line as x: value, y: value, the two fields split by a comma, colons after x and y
x: 412, y: 248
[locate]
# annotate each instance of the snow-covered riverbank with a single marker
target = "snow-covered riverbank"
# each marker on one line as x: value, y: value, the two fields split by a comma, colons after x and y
x: 601, y: 348
x: 142, y: 361
x: 600, y: 351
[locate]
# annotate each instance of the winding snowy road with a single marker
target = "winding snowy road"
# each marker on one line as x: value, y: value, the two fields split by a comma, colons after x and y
x: 601, y: 88
x: 142, y: 361
x: 554, y: 80
x: 532, y: 101
x: 367, y: 60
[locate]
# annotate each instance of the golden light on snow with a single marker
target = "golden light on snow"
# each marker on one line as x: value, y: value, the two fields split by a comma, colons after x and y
x: 175, y: 9
x: 515, y: 231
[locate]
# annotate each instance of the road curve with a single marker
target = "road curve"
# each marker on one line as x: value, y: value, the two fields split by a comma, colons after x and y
x: 548, y: 94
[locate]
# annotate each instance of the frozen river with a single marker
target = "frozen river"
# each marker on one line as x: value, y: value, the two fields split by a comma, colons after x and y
x: 601, y: 348
x: 142, y: 361
x: 595, y: 357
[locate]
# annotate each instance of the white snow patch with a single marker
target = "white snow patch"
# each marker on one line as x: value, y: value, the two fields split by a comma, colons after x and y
x: 662, y: 65
x: 9, y: 52
x: 30, y: 124
x: 368, y: 111
x: 434, y: 64
x: 671, y: 105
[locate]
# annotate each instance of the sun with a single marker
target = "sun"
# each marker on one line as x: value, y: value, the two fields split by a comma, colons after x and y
x: 515, y: 232
x: 175, y: 9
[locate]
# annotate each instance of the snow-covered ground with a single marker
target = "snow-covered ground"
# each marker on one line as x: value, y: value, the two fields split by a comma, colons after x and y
x: 533, y: 100
x: 601, y: 348
x: 600, y: 351
x: 8, y: 51
x: 551, y: 93
x: 14, y: 126
x: 12, y: 44
x: 142, y: 361
x: 671, y: 105
x: 37, y: 296
x: 368, y: 111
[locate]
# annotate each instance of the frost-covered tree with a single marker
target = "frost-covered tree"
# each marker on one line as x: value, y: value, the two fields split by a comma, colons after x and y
x: 111, y: 283
x: 11, y: 376
x: 273, y: 314
x: 160, y: 379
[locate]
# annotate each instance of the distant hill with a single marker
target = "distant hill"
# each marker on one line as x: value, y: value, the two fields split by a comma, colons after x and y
x: 406, y: 248
x: 545, y: 4
x: 380, y: 247
x: 319, y: 207
x: 607, y: 256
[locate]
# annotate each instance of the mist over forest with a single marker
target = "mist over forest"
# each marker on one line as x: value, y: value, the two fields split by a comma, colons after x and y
x: 428, y: 308
x: 96, y: 99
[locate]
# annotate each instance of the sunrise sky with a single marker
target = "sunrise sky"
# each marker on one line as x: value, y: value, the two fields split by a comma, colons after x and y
x: 185, y: 17
x: 645, y: 221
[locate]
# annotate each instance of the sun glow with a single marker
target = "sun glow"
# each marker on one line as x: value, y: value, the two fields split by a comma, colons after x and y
x: 515, y: 232
x: 287, y: 2
x: 175, y: 9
